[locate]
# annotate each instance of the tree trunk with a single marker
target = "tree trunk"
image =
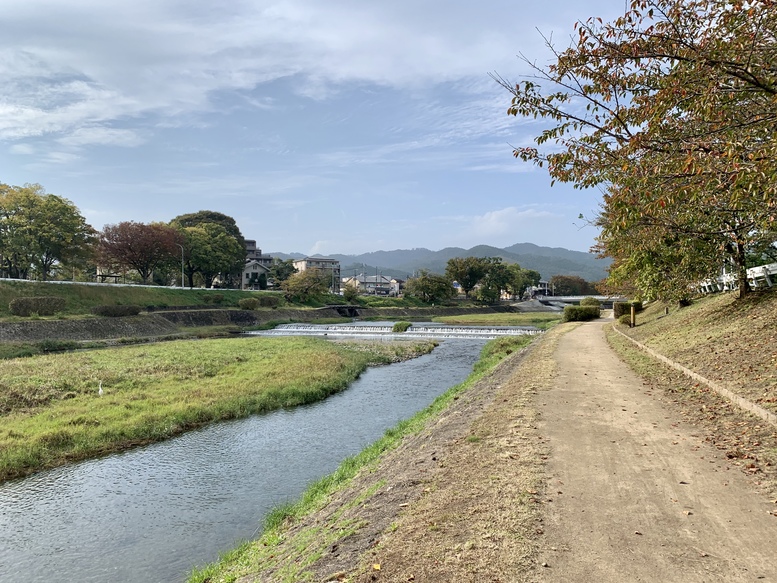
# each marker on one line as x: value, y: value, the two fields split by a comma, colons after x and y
x: 740, y: 260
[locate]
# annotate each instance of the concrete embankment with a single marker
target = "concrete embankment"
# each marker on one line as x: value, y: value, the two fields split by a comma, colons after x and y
x: 163, y: 323
x: 86, y: 329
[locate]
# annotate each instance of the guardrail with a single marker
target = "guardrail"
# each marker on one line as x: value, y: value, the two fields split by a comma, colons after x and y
x: 761, y: 276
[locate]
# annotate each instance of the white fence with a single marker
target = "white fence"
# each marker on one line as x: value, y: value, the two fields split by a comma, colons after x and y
x: 761, y: 276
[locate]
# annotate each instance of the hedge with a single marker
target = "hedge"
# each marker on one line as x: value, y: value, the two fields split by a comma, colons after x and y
x: 117, y: 311
x: 40, y: 305
x: 248, y: 303
x: 580, y: 313
x: 589, y: 301
x: 269, y: 301
x: 621, y: 308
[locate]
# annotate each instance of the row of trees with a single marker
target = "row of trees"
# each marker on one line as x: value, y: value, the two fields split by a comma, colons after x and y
x: 488, y: 275
x: 670, y: 110
x: 42, y: 232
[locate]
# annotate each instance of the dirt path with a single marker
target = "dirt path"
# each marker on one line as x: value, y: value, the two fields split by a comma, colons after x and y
x: 633, y: 494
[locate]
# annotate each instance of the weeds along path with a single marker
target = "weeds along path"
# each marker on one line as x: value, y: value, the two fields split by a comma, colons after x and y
x: 633, y: 493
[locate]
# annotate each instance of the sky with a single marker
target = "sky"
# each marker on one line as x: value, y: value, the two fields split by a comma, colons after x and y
x: 322, y: 127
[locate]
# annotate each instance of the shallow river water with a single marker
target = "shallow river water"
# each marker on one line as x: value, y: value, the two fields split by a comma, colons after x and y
x: 155, y: 513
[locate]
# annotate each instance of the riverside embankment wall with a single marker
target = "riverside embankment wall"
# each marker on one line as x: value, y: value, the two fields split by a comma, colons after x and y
x: 162, y: 323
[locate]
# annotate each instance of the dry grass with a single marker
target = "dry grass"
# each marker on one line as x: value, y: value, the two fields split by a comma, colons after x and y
x: 721, y: 338
x: 728, y: 341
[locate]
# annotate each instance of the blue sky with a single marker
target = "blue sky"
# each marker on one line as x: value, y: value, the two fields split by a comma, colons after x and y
x: 337, y: 126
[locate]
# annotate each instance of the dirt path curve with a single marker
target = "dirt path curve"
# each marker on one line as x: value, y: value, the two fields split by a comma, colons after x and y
x: 633, y: 494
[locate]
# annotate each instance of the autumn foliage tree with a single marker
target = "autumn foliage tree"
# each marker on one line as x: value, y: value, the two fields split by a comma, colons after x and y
x: 139, y: 246
x: 671, y: 110
x: 306, y: 285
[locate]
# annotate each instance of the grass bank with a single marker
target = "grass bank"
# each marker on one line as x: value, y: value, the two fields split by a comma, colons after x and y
x: 81, y: 298
x: 722, y: 338
x: 289, y: 555
x: 542, y: 320
x: 730, y: 342
x: 52, y: 413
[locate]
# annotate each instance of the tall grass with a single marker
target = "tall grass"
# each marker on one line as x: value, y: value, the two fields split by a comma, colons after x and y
x: 51, y: 412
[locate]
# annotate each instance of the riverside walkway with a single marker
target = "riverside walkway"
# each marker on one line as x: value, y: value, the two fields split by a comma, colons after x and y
x: 638, y: 495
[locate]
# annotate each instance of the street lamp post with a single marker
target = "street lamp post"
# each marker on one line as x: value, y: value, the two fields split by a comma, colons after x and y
x: 181, y: 246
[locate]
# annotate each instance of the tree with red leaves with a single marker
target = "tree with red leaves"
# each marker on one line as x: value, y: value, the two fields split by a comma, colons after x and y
x: 139, y: 246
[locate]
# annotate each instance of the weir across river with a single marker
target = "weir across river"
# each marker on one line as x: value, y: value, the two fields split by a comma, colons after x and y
x: 384, y: 330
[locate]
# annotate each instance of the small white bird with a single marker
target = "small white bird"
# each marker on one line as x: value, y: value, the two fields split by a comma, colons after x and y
x: 100, y: 390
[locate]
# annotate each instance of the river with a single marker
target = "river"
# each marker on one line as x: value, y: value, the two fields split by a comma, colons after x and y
x: 154, y: 513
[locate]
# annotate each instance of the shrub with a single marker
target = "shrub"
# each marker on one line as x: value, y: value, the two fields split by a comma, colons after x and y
x: 248, y: 303
x: 621, y: 308
x: 214, y: 298
x: 56, y: 345
x: 580, y: 313
x: 117, y: 311
x: 589, y: 301
x: 41, y: 305
x: 625, y: 319
x: 401, y: 326
x: 269, y: 301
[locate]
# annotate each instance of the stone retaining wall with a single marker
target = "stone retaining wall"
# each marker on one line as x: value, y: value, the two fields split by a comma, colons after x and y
x: 85, y: 329
x: 167, y: 322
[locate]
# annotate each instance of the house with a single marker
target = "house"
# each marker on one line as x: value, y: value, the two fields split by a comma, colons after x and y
x: 252, y: 273
x: 380, y: 284
x: 331, y: 267
x: 256, y: 265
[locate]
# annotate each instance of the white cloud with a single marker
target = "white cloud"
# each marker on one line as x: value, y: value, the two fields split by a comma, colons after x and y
x: 103, y: 136
x: 507, y: 220
x: 23, y: 149
x: 84, y: 62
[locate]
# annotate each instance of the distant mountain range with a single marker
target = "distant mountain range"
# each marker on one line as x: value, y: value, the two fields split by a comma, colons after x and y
x: 549, y: 261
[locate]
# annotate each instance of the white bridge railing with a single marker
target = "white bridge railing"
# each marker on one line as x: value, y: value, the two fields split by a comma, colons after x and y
x: 761, y: 276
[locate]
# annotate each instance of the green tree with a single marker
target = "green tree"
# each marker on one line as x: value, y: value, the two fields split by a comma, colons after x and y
x: 571, y: 285
x: 520, y: 279
x: 350, y: 293
x: 306, y: 285
x: 430, y: 287
x: 495, y: 279
x: 281, y: 270
x: 210, y: 251
x: 671, y: 109
x: 467, y: 271
x: 231, y: 256
x: 39, y: 231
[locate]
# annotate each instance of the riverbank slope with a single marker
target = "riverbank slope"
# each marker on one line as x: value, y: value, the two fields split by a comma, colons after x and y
x: 481, y: 492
